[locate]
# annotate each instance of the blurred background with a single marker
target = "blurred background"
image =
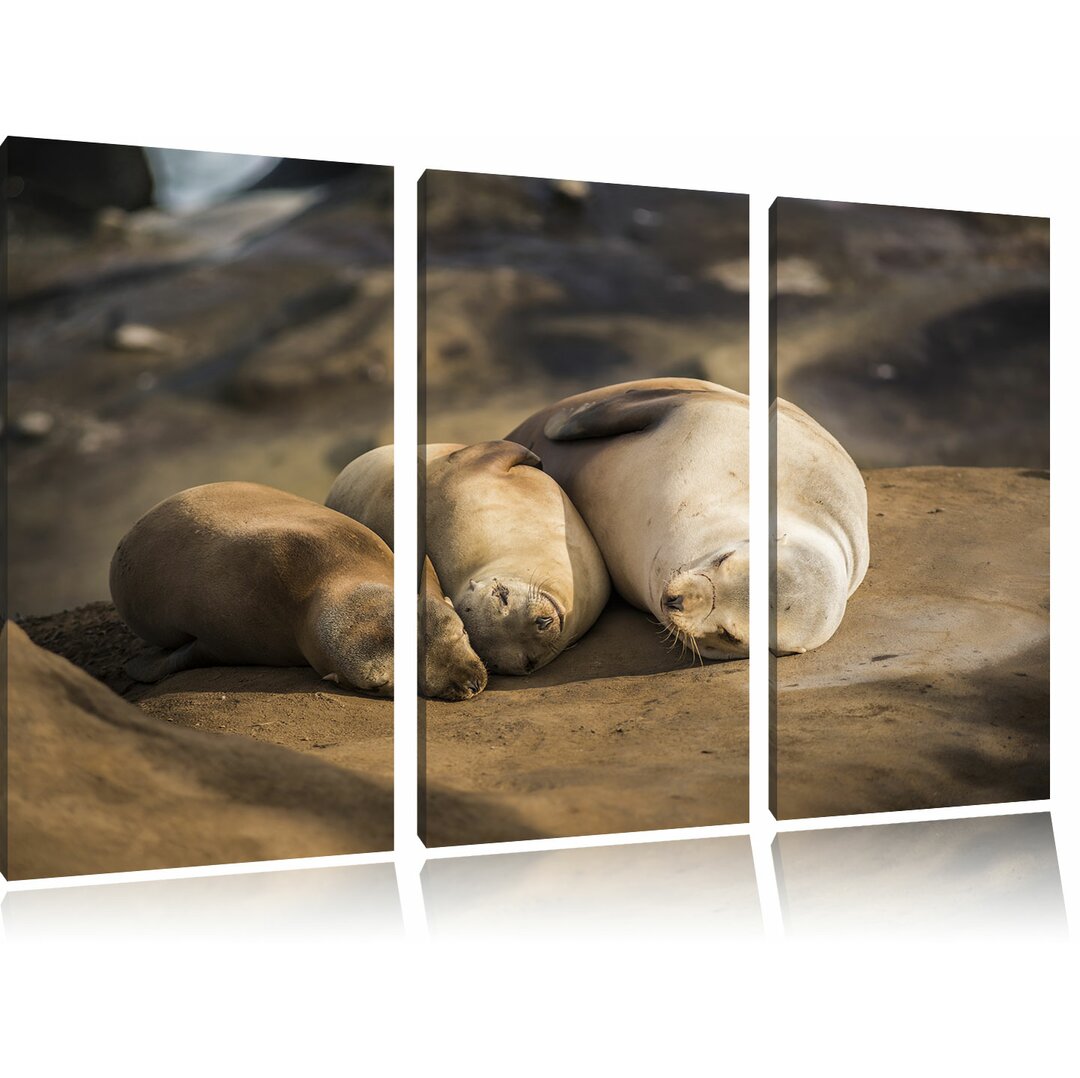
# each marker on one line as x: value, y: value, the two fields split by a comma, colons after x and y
x: 534, y: 289
x: 916, y: 336
x: 174, y: 318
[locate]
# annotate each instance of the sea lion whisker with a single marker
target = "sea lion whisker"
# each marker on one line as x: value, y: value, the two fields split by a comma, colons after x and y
x: 697, y: 652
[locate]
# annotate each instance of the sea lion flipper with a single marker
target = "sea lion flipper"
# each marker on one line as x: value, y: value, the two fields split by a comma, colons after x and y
x: 500, y: 456
x: 629, y: 412
x: 150, y: 668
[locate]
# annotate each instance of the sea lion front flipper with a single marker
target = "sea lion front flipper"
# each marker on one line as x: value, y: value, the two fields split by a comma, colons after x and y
x: 500, y: 456
x: 150, y: 668
x: 627, y: 413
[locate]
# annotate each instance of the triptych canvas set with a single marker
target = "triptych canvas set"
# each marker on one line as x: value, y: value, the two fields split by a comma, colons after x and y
x: 199, y: 509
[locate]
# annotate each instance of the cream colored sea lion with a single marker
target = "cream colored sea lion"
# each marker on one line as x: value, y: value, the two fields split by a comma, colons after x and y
x: 659, y: 470
x: 449, y: 669
x: 514, y: 554
x: 242, y: 574
x: 821, y: 544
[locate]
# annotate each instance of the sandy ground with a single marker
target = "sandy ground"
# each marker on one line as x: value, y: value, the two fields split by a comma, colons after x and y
x: 617, y: 734
x: 110, y: 775
x: 935, y: 689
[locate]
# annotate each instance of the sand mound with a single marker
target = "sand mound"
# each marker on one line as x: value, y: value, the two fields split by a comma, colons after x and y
x: 935, y: 690
x: 96, y: 786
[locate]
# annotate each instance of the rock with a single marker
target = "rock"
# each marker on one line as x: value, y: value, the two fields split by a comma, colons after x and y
x: 734, y: 275
x: 133, y: 337
x: 34, y: 425
x: 575, y: 190
x: 646, y: 218
x: 800, y: 277
x: 94, y: 785
x: 79, y: 177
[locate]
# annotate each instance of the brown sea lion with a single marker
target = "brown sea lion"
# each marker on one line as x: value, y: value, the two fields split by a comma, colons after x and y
x: 242, y: 574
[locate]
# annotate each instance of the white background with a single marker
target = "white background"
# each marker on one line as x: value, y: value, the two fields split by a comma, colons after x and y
x: 960, y: 106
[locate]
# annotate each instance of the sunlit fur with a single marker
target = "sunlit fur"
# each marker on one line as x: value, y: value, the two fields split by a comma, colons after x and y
x: 706, y: 606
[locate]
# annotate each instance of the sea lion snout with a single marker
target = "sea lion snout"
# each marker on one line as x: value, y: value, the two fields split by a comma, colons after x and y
x: 353, y: 630
x: 689, y: 598
x: 708, y: 603
x: 382, y: 687
x: 375, y: 679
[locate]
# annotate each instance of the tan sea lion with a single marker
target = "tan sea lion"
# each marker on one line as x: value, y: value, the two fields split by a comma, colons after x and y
x: 449, y: 669
x: 659, y: 470
x: 514, y: 554
x: 242, y: 574
x: 821, y: 542
x: 364, y: 490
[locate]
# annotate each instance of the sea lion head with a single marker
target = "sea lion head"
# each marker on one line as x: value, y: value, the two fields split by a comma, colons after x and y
x: 810, y: 593
x: 513, y: 625
x: 707, y: 605
x: 354, y: 632
x: 449, y: 668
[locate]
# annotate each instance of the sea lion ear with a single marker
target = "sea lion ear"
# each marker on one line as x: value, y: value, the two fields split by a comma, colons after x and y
x: 625, y: 413
x: 501, y: 456
x: 449, y: 602
x: 332, y: 677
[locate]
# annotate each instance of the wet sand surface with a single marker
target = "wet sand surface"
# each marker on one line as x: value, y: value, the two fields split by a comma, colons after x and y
x: 935, y: 689
x: 617, y: 734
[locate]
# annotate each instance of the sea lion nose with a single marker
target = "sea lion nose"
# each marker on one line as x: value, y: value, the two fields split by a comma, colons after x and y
x: 673, y: 602
x: 474, y: 685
